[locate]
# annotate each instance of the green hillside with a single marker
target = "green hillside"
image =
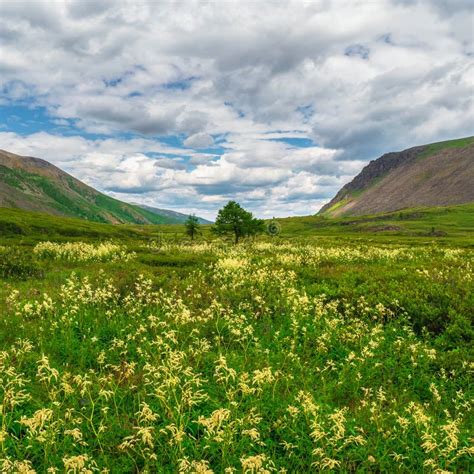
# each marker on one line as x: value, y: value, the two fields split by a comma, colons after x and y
x: 36, y: 185
x: 439, y: 224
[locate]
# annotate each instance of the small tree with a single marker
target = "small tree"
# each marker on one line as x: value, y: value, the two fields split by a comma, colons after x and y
x: 192, y: 226
x: 234, y: 220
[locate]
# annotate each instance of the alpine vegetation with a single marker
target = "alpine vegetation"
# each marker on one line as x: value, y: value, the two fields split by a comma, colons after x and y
x: 259, y: 359
x: 236, y: 237
x: 80, y: 251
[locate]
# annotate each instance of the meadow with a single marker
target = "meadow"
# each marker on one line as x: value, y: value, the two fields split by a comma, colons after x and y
x: 331, y: 348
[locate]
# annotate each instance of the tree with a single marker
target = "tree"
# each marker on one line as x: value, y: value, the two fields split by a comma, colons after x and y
x: 233, y: 219
x: 192, y: 226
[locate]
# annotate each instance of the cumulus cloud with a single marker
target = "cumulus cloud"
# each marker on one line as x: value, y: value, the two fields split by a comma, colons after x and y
x: 199, y: 140
x: 169, y: 163
x: 140, y: 89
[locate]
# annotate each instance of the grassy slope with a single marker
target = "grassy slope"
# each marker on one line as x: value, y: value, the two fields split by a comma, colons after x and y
x: 453, y: 224
x: 72, y: 199
x: 25, y: 226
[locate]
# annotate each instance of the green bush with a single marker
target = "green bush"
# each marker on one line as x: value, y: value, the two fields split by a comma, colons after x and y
x: 15, y: 264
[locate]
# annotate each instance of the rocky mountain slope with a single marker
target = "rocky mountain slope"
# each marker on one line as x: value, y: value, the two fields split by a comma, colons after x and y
x: 440, y: 174
x: 34, y: 184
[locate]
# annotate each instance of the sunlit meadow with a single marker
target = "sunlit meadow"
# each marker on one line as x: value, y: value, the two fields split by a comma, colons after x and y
x: 258, y: 358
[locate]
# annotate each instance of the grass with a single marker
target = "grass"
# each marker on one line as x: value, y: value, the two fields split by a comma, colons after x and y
x: 329, y: 212
x: 453, y: 225
x: 435, y: 147
x: 332, y: 347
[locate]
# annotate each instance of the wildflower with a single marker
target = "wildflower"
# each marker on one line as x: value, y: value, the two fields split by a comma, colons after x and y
x: 293, y: 411
x: 177, y: 434
x: 222, y: 372
x: 146, y: 435
x: 429, y: 443
x: 75, y: 433
x: 145, y: 415
x: 194, y: 467
x: 46, y: 373
x: 37, y: 423
x: 327, y: 463
x: 253, y: 464
x: 434, y: 391
x: 17, y: 467
x: 74, y: 464
x: 263, y: 376
x: 252, y: 433
x: 214, y: 424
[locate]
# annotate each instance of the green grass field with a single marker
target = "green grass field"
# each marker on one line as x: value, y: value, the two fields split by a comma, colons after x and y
x: 342, y: 345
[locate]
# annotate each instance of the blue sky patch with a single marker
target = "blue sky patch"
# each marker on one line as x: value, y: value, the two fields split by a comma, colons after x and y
x: 25, y: 120
x: 298, y: 142
x: 357, y: 50
x: 182, y: 84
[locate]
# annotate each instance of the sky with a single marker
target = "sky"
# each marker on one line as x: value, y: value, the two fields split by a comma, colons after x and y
x: 186, y: 105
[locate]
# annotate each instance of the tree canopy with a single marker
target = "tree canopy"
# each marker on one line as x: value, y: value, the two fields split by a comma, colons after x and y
x: 234, y: 220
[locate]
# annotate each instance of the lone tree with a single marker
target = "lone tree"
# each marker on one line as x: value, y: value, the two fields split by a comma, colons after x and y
x: 192, y: 226
x: 233, y: 219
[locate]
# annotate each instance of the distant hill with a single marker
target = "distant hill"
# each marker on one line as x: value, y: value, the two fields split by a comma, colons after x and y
x: 439, y: 174
x: 34, y: 184
x: 178, y: 216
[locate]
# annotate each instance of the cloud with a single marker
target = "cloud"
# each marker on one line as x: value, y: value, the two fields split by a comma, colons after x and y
x: 199, y: 140
x: 131, y: 168
x: 140, y: 90
x: 169, y: 163
x: 79, y: 9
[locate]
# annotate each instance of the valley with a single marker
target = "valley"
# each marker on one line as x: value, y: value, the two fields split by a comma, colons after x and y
x: 339, y: 344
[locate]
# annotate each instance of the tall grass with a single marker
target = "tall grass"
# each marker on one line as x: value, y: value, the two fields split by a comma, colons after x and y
x: 258, y: 358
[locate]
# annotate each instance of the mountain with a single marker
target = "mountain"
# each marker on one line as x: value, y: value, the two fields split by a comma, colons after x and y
x: 34, y: 184
x: 178, y: 216
x: 439, y: 174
